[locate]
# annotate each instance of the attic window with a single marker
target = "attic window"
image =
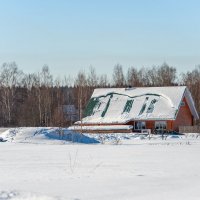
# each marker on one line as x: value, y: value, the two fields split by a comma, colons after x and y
x: 151, y: 106
x: 182, y: 103
x: 128, y: 106
x: 144, y: 105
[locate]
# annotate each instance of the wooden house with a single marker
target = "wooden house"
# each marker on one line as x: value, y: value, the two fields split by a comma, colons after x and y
x: 112, y: 110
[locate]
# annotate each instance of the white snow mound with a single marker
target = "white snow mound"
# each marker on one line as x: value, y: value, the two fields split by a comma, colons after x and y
x: 44, y: 135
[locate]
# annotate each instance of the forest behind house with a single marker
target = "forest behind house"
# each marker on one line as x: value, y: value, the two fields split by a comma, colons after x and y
x: 39, y: 99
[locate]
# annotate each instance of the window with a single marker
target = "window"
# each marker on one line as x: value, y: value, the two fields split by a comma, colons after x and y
x: 161, y: 125
x: 144, y: 105
x: 128, y: 106
x: 182, y: 103
x: 151, y: 106
x: 140, y: 125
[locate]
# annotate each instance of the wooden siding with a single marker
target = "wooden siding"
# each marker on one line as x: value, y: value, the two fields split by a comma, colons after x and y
x: 189, y: 129
x: 184, y: 117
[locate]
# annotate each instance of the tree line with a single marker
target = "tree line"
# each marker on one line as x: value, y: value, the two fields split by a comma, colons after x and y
x: 38, y: 99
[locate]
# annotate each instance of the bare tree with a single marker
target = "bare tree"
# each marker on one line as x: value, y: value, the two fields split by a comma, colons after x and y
x: 133, y: 78
x: 10, y: 79
x: 103, y: 81
x: 92, y: 78
x: 166, y: 75
x: 81, y: 85
x: 118, y: 76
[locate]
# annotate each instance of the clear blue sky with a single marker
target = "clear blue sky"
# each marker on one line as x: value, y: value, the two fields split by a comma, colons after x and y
x: 72, y: 35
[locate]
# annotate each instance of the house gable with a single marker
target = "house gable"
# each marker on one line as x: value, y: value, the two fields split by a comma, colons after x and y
x: 184, y: 116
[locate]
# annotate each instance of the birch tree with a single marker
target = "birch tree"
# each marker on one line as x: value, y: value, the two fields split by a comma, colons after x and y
x: 10, y: 79
x: 118, y: 76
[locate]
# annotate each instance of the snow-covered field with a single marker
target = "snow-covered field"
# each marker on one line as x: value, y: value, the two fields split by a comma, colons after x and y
x: 36, y: 164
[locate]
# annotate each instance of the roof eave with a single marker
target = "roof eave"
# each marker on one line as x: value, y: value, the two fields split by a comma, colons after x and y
x: 191, y: 103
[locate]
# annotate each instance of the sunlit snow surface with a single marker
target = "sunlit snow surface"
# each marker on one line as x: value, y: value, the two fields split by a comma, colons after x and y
x: 123, y: 167
x: 14, y: 195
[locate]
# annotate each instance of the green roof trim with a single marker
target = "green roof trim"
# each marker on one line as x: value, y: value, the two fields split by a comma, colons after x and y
x: 145, y: 94
x: 144, y: 106
x: 107, y: 106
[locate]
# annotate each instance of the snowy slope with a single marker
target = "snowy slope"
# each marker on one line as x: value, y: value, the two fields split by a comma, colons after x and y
x: 139, y: 170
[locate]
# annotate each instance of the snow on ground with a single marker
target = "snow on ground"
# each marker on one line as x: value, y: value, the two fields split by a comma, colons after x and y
x: 43, y: 135
x: 14, y: 195
x: 138, y: 168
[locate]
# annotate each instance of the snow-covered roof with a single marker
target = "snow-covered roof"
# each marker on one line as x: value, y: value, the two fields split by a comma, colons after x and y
x: 121, y: 105
x: 105, y: 128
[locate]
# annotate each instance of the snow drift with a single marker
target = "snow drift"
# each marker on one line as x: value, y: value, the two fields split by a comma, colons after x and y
x: 45, y: 135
